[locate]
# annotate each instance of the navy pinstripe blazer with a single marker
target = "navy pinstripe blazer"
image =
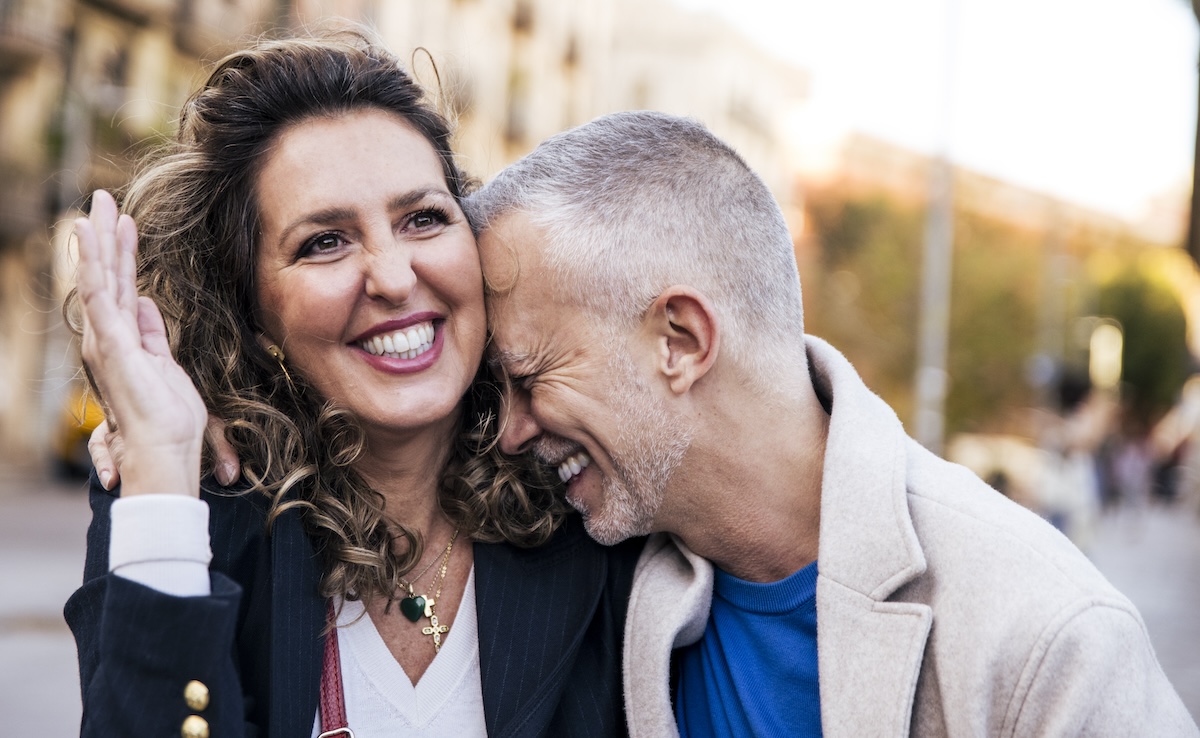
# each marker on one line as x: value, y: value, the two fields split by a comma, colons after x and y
x: 551, y: 621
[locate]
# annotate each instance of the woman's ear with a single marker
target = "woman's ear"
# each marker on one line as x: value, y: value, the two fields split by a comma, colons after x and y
x: 682, y: 326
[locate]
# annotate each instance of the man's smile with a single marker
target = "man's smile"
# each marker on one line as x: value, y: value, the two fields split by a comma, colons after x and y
x: 573, y: 465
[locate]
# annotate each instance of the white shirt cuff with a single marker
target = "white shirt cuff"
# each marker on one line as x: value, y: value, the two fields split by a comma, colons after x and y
x: 161, y: 541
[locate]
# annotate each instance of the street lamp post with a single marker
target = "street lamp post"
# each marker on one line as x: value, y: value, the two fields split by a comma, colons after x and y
x: 933, y: 332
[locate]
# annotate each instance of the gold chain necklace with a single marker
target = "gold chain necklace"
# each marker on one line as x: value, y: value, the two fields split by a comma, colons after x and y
x: 410, y: 582
x: 414, y: 605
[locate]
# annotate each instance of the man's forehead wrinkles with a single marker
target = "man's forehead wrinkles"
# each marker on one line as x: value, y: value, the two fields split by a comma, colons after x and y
x: 508, y: 359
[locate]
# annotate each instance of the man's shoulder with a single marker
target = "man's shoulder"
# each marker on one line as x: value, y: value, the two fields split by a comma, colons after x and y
x: 996, y: 573
x: 969, y: 530
x: 1018, y: 612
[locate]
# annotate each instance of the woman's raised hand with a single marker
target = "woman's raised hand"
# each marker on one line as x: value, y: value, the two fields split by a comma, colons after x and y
x: 150, y: 398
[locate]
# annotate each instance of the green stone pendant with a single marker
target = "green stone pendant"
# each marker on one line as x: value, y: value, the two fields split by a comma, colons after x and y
x: 413, y: 607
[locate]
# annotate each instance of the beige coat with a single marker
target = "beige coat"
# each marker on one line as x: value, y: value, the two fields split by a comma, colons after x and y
x: 943, y: 609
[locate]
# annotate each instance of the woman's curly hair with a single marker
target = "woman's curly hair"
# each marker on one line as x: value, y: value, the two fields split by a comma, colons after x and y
x: 198, y: 222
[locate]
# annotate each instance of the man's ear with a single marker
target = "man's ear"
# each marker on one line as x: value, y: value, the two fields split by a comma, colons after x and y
x: 683, y: 328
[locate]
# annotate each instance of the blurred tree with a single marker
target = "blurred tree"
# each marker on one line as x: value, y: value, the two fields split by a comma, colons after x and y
x: 864, y: 299
x: 1154, y: 357
x: 994, y: 306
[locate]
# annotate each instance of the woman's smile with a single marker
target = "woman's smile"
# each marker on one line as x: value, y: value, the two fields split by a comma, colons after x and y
x: 395, y: 348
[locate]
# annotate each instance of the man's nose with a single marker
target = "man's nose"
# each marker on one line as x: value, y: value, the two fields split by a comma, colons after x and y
x: 519, y: 427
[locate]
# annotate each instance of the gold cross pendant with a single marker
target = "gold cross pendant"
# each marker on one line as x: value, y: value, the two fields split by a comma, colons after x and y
x: 434, y: 628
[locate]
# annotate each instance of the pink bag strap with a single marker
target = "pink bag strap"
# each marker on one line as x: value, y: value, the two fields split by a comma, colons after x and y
x: 333, y: 700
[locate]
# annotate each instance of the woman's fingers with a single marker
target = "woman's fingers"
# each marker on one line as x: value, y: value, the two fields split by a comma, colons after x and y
x: 153, y: 329
x: 106, y: 451
x: 227, y: 465
x: 107, y: 279
x: 86, y: 272
x: 99, y: 309
x: 126, y: 271
x: 105, y: 327
x: 103, y: 216
x: 160, y: 413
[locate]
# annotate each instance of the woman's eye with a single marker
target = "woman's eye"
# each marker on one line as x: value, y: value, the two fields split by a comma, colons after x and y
x: 428, y: 219
x: 323, y: 242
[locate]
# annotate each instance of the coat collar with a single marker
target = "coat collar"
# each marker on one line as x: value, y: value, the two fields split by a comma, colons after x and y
x: 867, y: 542
x: 668, y: 609
x: 535, y: 606
x: 869, y: 648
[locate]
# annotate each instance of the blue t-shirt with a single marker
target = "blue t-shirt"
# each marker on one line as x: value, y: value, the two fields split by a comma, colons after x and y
x: 754, y: 673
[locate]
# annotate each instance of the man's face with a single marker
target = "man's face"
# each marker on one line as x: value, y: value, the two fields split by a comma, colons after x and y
x: 579, y: 401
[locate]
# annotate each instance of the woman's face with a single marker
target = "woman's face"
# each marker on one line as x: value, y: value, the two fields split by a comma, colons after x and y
x: 368, y: 276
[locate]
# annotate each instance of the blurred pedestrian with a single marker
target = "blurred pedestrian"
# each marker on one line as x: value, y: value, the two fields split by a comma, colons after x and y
x: 1133, y: 464
x: 1069, y: 489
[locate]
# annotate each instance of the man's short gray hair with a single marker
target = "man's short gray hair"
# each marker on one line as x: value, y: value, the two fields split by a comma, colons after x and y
x: 632, y: 203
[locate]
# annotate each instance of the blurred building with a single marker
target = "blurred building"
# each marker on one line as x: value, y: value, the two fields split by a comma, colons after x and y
x: 83, y: 83
x: 858, y: 164
x: 87, y: 84
x: 864, y: 164
x: 517, y: 71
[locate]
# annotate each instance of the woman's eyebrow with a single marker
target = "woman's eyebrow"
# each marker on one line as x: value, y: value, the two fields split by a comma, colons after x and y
x: 409, y: 199
x: 328, y: 216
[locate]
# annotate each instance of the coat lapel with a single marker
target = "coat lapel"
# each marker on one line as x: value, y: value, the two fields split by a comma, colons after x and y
x: 534, y: 608
x: 668, y: 608
x: 297, y: 621
x: 869, y: 649
x: 869, y: 657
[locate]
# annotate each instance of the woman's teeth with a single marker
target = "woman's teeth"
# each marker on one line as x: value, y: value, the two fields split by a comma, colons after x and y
x: 574, y: 464
x: 406, y: 344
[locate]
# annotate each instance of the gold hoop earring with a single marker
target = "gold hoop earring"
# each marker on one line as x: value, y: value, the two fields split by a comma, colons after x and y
x: 277, y: 353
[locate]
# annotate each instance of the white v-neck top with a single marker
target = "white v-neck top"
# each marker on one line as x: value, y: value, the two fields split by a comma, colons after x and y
x: 381, y: 700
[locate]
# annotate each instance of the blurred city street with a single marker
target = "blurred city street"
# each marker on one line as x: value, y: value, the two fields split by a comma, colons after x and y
x: 1153, y: 556
x: 42, y: 527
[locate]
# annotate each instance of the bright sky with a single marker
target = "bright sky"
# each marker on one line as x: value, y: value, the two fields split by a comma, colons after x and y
x: 1093, y: 101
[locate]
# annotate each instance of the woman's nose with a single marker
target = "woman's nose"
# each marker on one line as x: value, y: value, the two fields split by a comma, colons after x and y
x: 388, y: 269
